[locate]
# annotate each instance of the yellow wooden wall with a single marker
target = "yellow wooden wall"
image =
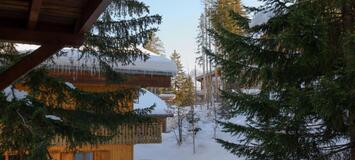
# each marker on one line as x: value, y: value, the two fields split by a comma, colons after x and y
x: 111, y: 152
x: 115, y: 151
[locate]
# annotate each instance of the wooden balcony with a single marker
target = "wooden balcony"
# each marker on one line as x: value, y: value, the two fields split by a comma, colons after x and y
x: 130, y: 134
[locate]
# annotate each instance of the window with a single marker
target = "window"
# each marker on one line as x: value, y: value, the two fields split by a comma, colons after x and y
x: 93, y: 155
x: 79, y: 156
x: 84, y: 156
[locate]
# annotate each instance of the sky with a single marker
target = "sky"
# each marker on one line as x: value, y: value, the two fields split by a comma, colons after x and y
x: 178, y: 30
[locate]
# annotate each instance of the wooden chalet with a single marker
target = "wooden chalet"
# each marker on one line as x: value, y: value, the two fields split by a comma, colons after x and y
x: 55, y: 24
x: 84, y: 74
x: 208, y: 79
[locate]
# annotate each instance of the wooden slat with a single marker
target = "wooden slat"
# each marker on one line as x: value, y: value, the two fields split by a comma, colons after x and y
x: 128, y: 134
x: 27, y: 64
x: 17, y: 5
x: 66, y: 3
x: 60, y: 11
x: 92, y: 12
x: 34, y: 13
x: 37, y: 37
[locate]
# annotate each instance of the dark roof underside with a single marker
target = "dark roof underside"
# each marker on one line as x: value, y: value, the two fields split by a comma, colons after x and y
x: 48, y: 15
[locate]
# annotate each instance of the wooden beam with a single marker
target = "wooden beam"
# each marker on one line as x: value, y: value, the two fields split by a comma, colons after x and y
x: 40, y: 37
x: 51, y: 41
x: 34, y: 13
x: 90, y: 15
x: 27, y: 64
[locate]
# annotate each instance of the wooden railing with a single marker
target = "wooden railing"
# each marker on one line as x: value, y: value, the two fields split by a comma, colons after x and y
x: 129, y: 134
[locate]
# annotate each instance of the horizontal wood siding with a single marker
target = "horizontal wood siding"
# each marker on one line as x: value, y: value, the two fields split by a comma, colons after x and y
x: 128, y: 134
x: 96, y: 77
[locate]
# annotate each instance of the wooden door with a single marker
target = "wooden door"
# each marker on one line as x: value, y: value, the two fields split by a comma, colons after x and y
x: 102, y: 155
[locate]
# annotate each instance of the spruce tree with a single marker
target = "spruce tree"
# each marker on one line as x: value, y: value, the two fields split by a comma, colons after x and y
x: 303, y: 60
x: 183, y: 88
x: 185, y: 94
x: 30, y: 123
x: 154, y: 44
x: 177, y: 85
x: 178, y: 80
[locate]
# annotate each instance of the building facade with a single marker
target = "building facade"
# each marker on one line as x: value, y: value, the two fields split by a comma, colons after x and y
x: 86, y: 76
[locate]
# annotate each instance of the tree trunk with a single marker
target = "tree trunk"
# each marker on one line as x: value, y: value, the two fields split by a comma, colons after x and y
x: 179, y: 126
x: 193, y: 129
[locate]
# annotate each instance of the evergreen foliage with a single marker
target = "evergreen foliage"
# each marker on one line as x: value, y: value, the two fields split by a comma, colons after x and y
x: 183, y: 88
x: 223, y: 11
x: 25, y: 126
x: 185, y: 94
x: 154, y: 44
x: 178, y: 80
x: 302, y: 60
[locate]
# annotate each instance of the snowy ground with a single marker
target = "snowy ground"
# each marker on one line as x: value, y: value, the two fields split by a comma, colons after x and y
x: 206, y: 146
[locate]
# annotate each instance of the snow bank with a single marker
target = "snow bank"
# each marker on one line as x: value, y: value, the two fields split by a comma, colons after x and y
x: 147, y: 99
x: 206, y: 147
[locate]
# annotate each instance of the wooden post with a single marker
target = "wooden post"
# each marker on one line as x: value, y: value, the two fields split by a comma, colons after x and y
x: 34, y: 13
x: 94, y: 9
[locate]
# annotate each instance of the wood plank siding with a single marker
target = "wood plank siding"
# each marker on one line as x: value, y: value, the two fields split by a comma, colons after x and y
x: 129, y: 134
x: 95, y: 77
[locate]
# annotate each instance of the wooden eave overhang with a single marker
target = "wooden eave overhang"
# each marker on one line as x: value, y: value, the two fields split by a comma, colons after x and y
x: 52, y: 24
x: 98, y: 79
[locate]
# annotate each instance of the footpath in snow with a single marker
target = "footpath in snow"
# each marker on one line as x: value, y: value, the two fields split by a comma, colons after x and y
x: 206, y: 147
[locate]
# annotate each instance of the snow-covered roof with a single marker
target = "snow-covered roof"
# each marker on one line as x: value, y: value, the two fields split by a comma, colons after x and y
x: 147, y: 99
x: 154, y: 65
